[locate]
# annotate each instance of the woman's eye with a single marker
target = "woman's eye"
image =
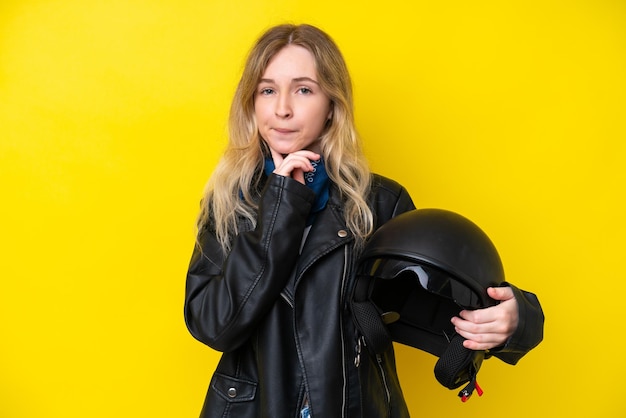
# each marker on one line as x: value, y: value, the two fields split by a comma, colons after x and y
x: 266, y: 91
x: 305, y: 90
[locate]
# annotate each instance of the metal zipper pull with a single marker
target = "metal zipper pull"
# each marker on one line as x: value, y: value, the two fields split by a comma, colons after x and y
x: 360, y: 343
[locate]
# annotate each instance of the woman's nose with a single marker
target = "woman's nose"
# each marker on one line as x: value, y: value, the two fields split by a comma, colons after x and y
x: 283, y: 107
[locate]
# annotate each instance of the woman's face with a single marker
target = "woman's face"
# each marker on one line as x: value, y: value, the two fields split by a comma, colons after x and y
x: 290, y: 107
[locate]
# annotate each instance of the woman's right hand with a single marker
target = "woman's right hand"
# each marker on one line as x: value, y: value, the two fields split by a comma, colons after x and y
x: 294, y: 165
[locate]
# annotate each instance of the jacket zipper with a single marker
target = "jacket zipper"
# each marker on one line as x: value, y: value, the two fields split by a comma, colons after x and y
x: 342, y: 332
x: 379, y: 360
x: 341, y: 328
x: 358, y: 349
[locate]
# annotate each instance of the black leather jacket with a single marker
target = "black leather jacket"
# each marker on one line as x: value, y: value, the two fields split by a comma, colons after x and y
x: 280, y: 313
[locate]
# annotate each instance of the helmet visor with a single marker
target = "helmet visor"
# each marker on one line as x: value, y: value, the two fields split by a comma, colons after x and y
x: 429, y: 278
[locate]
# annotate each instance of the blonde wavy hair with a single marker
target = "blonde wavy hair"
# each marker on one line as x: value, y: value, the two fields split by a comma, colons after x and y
x: 233, y: 187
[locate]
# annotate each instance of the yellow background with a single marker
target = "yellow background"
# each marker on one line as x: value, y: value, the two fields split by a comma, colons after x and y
x: 112, y: 116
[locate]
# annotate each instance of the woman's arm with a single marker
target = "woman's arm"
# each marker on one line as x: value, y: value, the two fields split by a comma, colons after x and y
x: 226, y: 295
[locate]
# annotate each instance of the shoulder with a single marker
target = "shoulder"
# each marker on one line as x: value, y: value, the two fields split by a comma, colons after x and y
x: 388, y: 198
x: 382, y: 185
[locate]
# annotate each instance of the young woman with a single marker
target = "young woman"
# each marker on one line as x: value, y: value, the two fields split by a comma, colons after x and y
x: 285, y: 214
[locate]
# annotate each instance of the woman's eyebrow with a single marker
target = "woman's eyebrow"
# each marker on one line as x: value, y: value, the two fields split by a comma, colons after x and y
x: 295, y: 80
x: 301, y: 79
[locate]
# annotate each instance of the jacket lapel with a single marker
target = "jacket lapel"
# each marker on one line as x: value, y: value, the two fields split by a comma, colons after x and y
x: 328, y: 232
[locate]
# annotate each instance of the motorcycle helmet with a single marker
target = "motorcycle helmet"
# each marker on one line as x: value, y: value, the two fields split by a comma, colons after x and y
x: 416, y: 272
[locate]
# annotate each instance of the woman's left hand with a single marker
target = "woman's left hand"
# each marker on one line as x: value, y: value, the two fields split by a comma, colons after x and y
x: 489, y: 327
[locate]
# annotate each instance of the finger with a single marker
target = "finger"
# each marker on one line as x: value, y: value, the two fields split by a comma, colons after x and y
x: 487, y: 345
x: 294, y: 166
x: 467, y: 326
x: 277, y: 158
x: 483, y: 338
x: 500, y: 293
x: 471, y: 329
x: 300, y: 159
x: 309, y: 155
x: 478, y: 316
x: 298, y: 175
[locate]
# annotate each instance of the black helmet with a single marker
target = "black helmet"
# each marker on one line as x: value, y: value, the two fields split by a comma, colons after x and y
x: 416, y: 272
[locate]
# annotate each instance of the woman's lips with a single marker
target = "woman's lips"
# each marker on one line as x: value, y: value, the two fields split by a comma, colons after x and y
x: 283, y: 130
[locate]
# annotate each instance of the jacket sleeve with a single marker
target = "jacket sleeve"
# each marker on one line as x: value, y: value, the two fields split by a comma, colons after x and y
x: 226, y: 295
x: 529, y: 332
